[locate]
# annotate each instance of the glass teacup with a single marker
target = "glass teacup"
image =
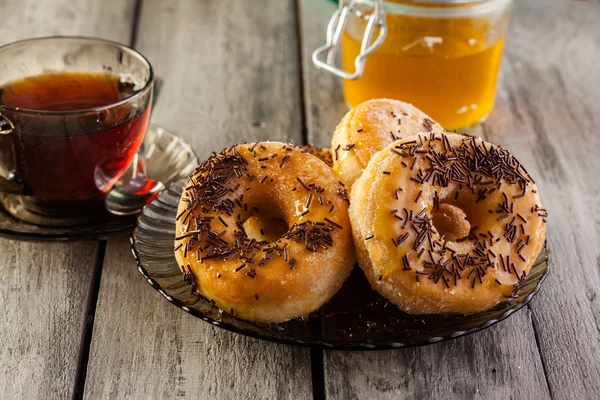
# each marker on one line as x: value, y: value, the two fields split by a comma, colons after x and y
x: 73, y: 113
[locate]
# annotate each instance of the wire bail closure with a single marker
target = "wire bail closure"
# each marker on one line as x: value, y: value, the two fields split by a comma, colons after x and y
x: 335, y: 29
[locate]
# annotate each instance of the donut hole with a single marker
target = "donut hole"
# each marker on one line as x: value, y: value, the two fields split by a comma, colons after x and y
x: 451, y: 222
x: 268, y: 228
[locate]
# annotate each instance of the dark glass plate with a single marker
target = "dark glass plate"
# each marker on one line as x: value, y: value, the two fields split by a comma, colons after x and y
x: 168, y: 159
x: 356, y: 318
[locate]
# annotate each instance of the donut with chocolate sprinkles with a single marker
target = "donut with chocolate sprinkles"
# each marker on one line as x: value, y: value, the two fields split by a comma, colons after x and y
x: 461, y: 234
x: 319, y: 152
x: 263, y: 229
x: 371, y: 126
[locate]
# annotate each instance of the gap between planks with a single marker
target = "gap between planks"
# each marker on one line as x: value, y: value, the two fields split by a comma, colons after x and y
x: 484, y: 134
x: 316, y: 355
x: 88, y: 327
x: 88, y: 323
x: 301, y: 88
x: 137, y: 11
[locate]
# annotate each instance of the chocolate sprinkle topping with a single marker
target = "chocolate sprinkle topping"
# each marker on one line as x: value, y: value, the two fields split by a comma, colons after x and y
x: 216, y: 191
x: 481, y: 170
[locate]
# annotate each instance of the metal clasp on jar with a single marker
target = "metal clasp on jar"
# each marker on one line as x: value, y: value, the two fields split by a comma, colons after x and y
x: 336, y: 28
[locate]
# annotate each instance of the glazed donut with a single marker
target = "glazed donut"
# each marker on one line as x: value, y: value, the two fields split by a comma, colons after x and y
x: 319, y: 152
x: 446, y: 223
x: 368, y: 128
x: 271, y: 229
x: 299, y: 201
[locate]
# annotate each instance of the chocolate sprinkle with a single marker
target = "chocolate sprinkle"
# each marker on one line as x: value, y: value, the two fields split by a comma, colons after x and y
x: 419, y: 195
x: 303, y: 184
x: 240, y: 267
x: 284, y: 160
x: 308, y: 201
x: 333, y: 223
x: 406, y: 263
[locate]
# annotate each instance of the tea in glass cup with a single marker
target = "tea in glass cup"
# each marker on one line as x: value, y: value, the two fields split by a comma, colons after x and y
x: 73, y: 113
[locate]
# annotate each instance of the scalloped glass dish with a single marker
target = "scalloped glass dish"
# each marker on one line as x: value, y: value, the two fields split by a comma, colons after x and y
x: 168, y: 159
x: 356, y: 318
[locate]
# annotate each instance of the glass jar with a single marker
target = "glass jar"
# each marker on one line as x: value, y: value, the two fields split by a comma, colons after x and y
x: 443, y: 56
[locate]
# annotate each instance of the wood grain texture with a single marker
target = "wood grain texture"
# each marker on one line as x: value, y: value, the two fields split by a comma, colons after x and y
x: 43, y: 295
x: 44, y: 287
x: 145, y: 348
x: 482, y: 365
x: 501, y: 362
x: 227, y: 69
x: 109, y: 19
x: 323, y: 97
x: 231, y: 72
x: 547, y: 114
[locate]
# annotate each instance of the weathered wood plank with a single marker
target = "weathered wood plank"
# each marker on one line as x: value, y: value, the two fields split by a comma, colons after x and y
x: 227, y: 69
x: 547, y: 113
x: 500, y: 362
x: 143, y: 347
x: 230, y: 71
x: 44, y: 287
x: 323, y: 97
x: 109, y: 19
x: 43, y: 296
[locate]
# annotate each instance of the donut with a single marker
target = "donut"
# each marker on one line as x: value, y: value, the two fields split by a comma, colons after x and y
x: 368, y: 128
x: 446, y: 223
x: 305, y: 251
x: 268, y: 228
x: 319, y: 152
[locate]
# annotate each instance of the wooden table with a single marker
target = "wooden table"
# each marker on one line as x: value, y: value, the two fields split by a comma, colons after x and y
x: 78, y: 320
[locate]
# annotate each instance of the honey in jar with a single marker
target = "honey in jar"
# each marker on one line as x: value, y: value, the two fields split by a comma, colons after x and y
x: 441, y: 56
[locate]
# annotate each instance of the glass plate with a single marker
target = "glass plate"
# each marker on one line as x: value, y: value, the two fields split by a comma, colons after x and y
x: 356, y: 318
x: 168, y: 158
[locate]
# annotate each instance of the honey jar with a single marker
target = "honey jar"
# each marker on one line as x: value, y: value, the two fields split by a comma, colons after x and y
x: 442, y: 56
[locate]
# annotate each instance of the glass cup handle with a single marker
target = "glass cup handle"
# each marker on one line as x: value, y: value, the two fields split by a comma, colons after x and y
x: 335, y: 29
x: 6, y: 125
x: 9, y: 180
